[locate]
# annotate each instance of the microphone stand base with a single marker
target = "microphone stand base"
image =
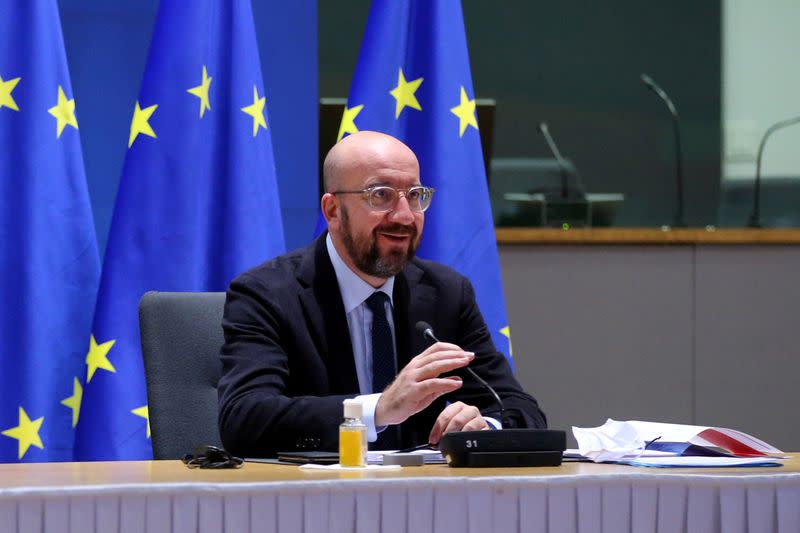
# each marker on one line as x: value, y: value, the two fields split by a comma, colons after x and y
x: 754, y: 223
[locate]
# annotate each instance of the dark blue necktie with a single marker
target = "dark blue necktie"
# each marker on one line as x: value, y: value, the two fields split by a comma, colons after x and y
x: 384, y: 368
x: 383, y: 360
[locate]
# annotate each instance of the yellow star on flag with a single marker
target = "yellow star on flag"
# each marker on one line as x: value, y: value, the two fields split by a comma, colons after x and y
x: 465, y: 111
x: 256, y: 110
x: 348, y: 124
x: 507, y: 333
x: 139, y: 123
x: 98, y: 357
x: 26, y: 433
x: 201, y: 91
x: 64, y: 111
x: 404, y: 94
x: 74, y: 401
x: 144, y: 413
x: 5, y: 93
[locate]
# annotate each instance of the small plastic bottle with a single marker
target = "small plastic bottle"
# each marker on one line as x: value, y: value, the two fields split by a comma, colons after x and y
x: 353, y: 435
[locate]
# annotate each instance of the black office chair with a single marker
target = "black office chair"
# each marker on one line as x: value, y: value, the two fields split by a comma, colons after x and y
x: 181, y: 337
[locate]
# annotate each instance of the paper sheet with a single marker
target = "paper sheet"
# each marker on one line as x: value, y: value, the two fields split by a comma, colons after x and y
x: 628, y: 441
x: 700, y: 462
x: 339, y: 467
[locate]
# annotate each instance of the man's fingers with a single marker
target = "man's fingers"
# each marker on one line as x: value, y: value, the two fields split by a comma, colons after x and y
x: 436, y: 387
x: 443, y: 420
x: 438, y: 346
x: 404, y: 398
x: 457, y: 423
x: 437, y: 368
x: 440, y: 350
x: 418, y: 384
x: 456, y: 417
x: 476, y: 424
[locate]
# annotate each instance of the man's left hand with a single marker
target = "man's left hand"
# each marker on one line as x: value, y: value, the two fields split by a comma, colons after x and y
x: 457, y: 416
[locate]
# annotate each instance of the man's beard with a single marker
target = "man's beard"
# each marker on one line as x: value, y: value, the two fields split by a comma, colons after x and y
x: 367, y: 257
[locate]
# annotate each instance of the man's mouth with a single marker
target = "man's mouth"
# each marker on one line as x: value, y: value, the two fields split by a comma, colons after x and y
x: 396, y: 234
x: 398, y: 237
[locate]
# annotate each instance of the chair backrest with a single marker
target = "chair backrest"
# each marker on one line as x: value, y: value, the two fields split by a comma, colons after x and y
x: 181, y: 338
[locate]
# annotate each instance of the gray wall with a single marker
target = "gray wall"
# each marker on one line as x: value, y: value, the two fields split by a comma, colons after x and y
x: 576, y: 65
x: 700, y: 334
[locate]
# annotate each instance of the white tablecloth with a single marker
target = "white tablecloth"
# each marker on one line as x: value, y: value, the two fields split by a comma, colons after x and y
x: 639, y: 502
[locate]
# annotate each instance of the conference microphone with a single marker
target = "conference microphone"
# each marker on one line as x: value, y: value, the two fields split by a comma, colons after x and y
x: 427, y: 331
x: 755, y: 216
x: 562, y: 166
x: 678, y: 220
x: 507, y: 447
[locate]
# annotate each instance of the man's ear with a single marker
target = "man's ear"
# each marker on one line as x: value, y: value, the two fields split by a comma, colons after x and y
x: 330, y: 209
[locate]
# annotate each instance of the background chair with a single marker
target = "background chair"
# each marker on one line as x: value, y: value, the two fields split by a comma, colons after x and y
x: 181, y: 336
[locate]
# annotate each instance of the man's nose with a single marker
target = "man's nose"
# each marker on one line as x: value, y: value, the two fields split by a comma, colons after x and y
x: 402, y: 212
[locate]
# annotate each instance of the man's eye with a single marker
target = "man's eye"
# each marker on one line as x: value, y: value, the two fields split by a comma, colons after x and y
x: 414, y: 194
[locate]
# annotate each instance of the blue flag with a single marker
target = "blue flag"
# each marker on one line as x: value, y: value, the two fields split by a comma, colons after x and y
x: 413, y: 81
x: 197, y: 202
x: 49, y: 265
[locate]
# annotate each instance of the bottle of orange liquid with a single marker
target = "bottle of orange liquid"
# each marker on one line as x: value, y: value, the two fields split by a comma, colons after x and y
x: 353, y: 435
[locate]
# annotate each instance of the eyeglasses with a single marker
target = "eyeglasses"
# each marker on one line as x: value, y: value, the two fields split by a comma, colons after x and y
x: 385, y: 198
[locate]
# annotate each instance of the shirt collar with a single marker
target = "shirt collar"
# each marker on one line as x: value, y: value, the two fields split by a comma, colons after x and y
x: 354, y: 289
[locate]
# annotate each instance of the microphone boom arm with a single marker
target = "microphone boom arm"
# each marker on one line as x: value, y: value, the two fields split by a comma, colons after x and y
x: 755, y: 216
x: 562, y: 166
x: 427, y: 332
x: 678, y: 220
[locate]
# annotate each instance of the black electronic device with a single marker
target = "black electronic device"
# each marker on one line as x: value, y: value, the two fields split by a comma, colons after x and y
x: 504, y: 447
x: 309, y: 457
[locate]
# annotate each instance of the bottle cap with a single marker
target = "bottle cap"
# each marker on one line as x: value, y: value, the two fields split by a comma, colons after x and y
x: 353, y: 408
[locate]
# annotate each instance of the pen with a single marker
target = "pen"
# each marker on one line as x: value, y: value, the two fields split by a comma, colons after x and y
x: 415, y: 448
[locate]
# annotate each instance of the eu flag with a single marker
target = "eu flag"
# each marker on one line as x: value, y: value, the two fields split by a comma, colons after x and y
x: 49, y: 265
x: 197, y: 202
x: 413, y: 81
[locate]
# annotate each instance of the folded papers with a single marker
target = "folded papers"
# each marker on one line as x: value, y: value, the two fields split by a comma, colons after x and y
x: 650, y: 443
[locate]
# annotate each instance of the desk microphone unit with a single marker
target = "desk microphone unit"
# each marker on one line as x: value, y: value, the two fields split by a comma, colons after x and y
x: 504, y: 447
x: 568, y: 205
x: 678, y: 220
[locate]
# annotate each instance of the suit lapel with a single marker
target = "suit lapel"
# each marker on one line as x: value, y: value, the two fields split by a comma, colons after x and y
x: 413, y: 300
x: 328, y: 322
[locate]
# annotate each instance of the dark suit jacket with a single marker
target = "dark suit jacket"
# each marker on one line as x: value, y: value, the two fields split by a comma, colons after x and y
x: 287, y: 361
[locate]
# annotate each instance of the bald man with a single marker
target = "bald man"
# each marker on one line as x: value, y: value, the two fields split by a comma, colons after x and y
x: 337, y: 319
